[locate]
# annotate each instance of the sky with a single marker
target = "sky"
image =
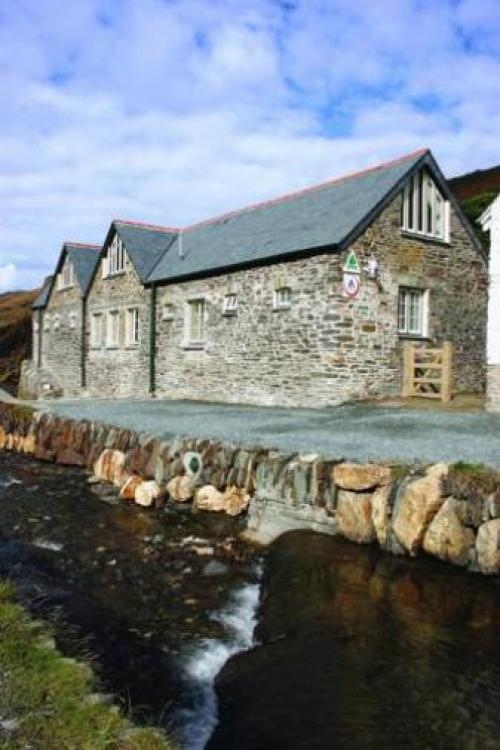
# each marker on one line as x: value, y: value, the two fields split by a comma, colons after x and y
x: 170, y: 111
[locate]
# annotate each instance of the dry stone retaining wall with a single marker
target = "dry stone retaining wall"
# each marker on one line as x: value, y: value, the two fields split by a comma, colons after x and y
x: 448, y: 512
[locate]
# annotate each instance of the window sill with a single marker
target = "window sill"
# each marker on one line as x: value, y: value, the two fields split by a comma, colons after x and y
x: 229, y: 313
x: 131, y: 347
x: 114, y: 275
x: 413, y: 337
x: 65, y: 288
x: 111, y: 346
x: 282, y: 308
x: 194, y: 346
x: 424, y: 237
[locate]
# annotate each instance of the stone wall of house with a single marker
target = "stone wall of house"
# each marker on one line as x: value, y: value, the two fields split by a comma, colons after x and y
x: 61, y: 338
x: 121, y: 370
x: 325, y: 348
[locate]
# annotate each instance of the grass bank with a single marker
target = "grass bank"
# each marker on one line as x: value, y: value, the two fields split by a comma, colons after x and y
x: 48, y: 701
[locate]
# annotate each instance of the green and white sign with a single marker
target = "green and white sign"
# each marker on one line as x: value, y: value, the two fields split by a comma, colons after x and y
x: 352, y: 263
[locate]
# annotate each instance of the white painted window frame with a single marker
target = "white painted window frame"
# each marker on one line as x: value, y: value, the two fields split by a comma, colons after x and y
x: 132, y: 327
x: 230, y: 305
x: 111, y: 316
x: 168, y: 311
x: 422, y: 194
x: 282, y: 299
x: 66, y: 278
x: 407, y: 296
x: 115, y: 260
x: 190, y: 341
x: 97, y: 331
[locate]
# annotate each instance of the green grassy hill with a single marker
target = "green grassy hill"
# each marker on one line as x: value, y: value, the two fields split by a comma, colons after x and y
x: 15, y: 335
x: 475, y: 191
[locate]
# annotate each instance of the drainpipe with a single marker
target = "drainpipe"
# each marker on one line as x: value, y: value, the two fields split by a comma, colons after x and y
x: 39, y: 314
x: 152, y: 340
x: 83, y: 363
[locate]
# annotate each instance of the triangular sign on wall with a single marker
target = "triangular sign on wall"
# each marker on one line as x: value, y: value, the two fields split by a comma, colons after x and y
x: 352, y: 263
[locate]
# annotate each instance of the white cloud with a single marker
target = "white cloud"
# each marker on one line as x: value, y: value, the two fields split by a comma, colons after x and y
x: 171, y: 112
x: 8, y: 277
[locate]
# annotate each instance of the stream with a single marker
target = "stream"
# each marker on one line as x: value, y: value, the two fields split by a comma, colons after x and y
x: 316, y: 643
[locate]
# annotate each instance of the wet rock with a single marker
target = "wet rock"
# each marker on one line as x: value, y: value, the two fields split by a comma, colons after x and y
x: 447, y: 537
x: 215, y: 568
x: 381, y: 514
x: 128, y: 488
x: 181, y: 489
x: 69, y: 457
x: 109, y: 467
x: 360, y: 477
x: 417, y: 506
x: 209, y: 498
x: 354, y: 516
x: 488, y: 547
x: 147, y: 493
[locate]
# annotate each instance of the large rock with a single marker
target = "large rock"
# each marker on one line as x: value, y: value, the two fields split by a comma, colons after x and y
x: 148, y: 493
x: 447, y: 537
x: 109, y: 467
x: 488, y: 547
x: 360, y: 477
x: 236, y: 501
x: 420, y: 501
x: 354, y: 516
x: 381, y: 514
x: 181, y: 488
x: 209, y: 498
x: 129, y: 486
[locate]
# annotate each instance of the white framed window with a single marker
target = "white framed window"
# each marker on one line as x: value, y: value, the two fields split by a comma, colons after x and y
x: 282, y: 298
x: 72, y: 320
x: 57, y: 322
x: 413, y: 311
x: 113, y: 329
x: 168, y: 311
x: 424, y: 210
x: 46, y: 322
x: 132, y: 326
x: 97, y: 330
x: 195, y: 322
x: 35, y: 326
x: 116, y: 258
x: 230, y: 304
x: 65, y: 279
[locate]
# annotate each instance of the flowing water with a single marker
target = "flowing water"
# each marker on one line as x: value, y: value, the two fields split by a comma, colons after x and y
x: 316, y: 644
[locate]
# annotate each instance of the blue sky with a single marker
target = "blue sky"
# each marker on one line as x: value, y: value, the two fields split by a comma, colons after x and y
x: 169, y: 111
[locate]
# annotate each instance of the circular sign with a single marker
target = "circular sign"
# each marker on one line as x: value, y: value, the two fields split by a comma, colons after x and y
x: 351, y: 285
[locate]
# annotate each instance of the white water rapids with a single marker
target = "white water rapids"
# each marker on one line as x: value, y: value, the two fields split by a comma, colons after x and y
x: 239, y: 618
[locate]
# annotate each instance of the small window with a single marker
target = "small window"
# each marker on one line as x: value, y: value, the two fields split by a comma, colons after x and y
x: 168, y: 311
x: 196, y: 321
x: 72, y: 320
x: 116, y: 257
x: 113, y: 329
x: 46, y: 323
x: 97, y: 330
x: 424, y: 210
x: 132, y: 326
x: 230, y: 304
x: 35, y: 326
x: 412, y: 312
x: 57, y: 322
x: 65, y: 278
x: 282, y: 298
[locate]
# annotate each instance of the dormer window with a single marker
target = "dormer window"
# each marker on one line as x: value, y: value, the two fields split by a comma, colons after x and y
x: 65, y: 279
x: 424, y: 211
x: 116, y: 257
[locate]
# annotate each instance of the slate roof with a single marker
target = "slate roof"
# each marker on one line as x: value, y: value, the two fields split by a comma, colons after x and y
x: 43, y: 297
x: 84, y: 259
x: 318, y: 217
x: 144, y: 243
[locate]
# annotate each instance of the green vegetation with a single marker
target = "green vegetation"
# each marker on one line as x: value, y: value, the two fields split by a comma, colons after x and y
x: 474, y: 207
x: 48, y: 701
x: 15, y: 335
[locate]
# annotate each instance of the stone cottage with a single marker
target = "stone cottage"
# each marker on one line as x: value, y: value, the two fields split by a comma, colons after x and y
x: 305, y: 300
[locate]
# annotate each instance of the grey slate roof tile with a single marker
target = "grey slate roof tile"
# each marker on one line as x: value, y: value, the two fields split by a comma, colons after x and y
x: 43, y: 297
x: 84, y: 259
x: 317, y: 217
x: 144, y: 244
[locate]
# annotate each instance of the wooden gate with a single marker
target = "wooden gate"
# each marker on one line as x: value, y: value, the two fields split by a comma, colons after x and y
x: 428, y: 371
